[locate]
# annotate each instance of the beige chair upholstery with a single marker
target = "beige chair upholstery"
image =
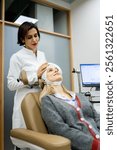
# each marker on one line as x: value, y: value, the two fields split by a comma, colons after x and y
x: 36, y: 134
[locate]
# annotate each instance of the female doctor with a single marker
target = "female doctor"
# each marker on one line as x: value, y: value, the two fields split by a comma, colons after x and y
x: 29, y: 59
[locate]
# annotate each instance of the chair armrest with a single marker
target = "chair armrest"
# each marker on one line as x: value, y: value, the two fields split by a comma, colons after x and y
x: 46, y: 141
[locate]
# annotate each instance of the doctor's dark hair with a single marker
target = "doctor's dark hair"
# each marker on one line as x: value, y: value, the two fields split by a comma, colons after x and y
x: 23, y: 30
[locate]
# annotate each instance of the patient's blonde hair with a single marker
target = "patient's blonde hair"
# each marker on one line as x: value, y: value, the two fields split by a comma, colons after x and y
x: 49, y: 89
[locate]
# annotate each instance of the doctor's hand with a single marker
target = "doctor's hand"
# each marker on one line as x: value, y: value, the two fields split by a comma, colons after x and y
x: 41, y: 69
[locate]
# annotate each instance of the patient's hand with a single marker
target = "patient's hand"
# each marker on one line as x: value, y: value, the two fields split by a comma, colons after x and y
x: 41, y: 69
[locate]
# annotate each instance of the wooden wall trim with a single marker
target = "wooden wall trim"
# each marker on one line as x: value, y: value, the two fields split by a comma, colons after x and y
x: 2, y: 78
x: 1, y: 88
x: 41, y: 30
x: 71, y: 52
x: 1, y: 99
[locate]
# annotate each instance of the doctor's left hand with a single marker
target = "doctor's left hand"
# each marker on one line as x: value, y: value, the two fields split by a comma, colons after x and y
x: 41, y: 69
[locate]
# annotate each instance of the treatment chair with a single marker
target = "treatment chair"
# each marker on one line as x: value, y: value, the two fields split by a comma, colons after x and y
x: 36, y: 136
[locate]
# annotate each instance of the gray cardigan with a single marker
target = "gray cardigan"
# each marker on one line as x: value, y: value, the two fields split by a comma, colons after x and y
x: 62, y: 119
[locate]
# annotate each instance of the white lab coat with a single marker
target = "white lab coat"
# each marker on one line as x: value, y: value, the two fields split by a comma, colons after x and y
x: 24, y: 59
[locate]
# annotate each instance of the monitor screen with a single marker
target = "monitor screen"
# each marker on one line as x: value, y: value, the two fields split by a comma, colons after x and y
x: 90, y: 75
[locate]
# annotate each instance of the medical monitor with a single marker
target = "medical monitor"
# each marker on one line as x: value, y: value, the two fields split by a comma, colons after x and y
x: 90, y: 75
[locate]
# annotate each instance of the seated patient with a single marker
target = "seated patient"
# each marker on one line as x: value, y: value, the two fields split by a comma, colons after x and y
x: 68, y: 114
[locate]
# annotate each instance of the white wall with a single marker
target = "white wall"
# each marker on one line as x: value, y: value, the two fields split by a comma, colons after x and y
x: 85, y: 22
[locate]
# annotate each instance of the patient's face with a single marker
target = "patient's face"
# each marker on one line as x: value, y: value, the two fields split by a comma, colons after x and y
x: 53, y: 74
